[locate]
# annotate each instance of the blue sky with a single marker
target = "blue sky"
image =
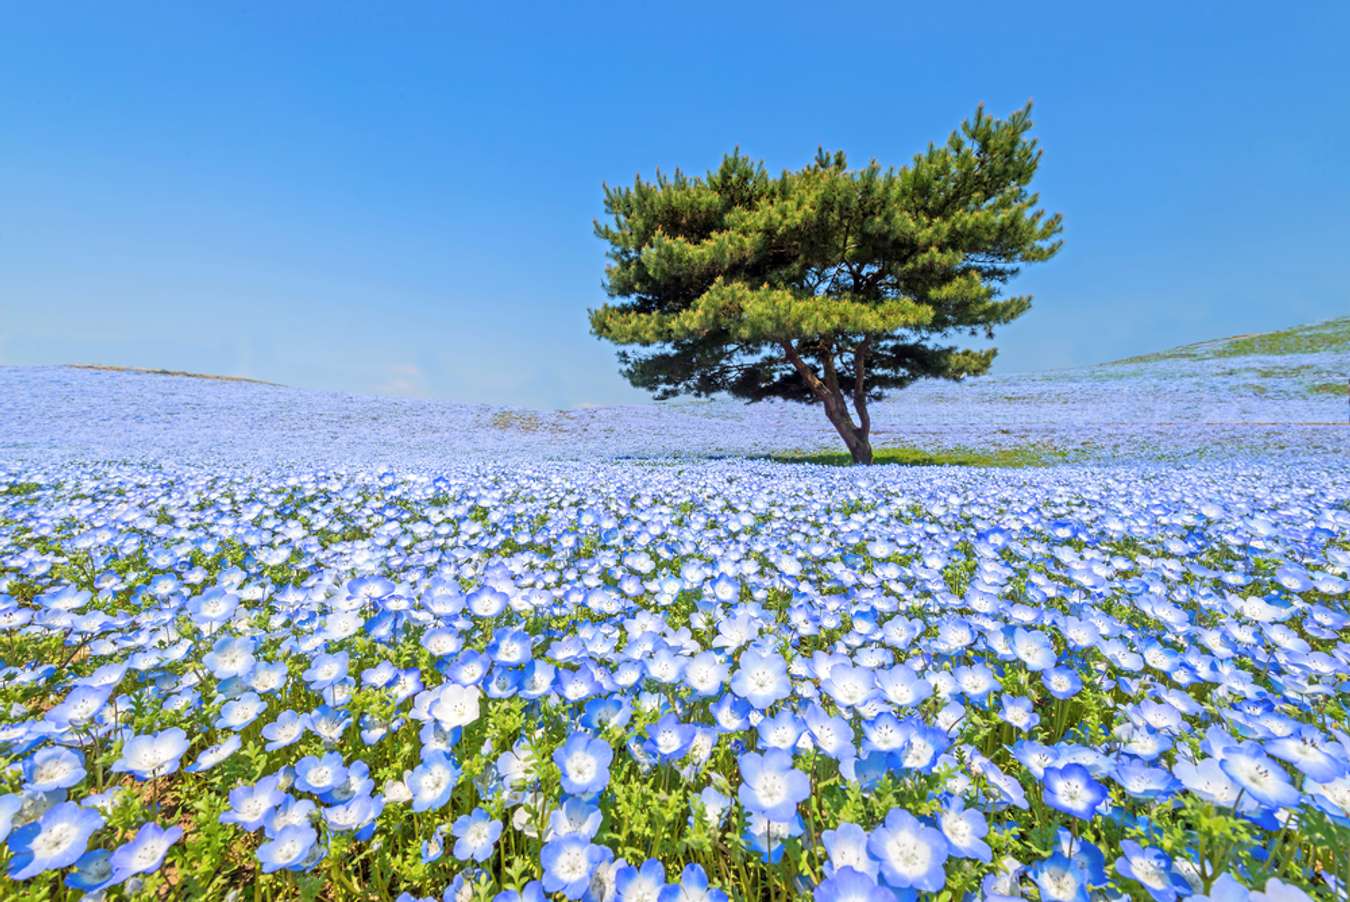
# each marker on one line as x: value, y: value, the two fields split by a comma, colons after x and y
x: 351, y: 197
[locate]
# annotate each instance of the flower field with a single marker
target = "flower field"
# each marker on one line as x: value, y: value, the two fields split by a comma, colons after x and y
x: 233, y: 667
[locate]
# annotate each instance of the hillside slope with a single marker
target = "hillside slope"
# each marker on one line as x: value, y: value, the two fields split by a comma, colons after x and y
x: 1329, y: 337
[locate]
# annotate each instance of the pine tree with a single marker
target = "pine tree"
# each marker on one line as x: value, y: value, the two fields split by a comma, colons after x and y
x: 826, y: 284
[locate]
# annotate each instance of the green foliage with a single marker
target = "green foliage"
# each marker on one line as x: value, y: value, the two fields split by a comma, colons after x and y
x: 1016, y: 456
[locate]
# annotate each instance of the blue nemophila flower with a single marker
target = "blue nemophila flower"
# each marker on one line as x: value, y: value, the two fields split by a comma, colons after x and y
x: 766, y: 837
x: 1034, y: 648
x: 711, y: 805
x: 910, y: 855
x: 1062, y: 682
x: 268, y: 678
x: 355, y: 815
x: 922, y: 747
x: 636, y: 884
x: 152, y: 755
x: 665, y: 666
x: 285, y: 730
x: 231, y: 656
x: 55, y: 840
x: 530, y: 892
x: 1060, y: 880
x: 886, y: 733
x: 903, y: 687
x: 320, y: 775
x: 1276, y: 890
x: 771, y: 786
x: 379, y: 676
x: 289, y: 812
x: 584, y: 763
x: 1018, y: 711
x: 328, y: 723
x: 575, y: 815
x: 10, y: 805
x: 1152, y: 868
x: 1224, y: 889
x: 1207, y: 779
x: 144, y: 852
x: 477, y: 833
x: 606, y: 712
x: 487, y: 602
x: 434, y: 848
x: 251, y: 804
x: 976, y: 682
x: 1332, y: 797
x: 213, y: 607
x: 212, y: 755
x: 1144, y: 781
x: 731, y: 713
x: 432, y: 781
x: 761, y: 678
x: 537, y: 679
x: 289, y: 850
x: 693, y: 887
x: 79, y: 707
x: 848, y: 685
x: 92, y: 872
x: 706, y: 673
x: 239, y: 712
x: 53, y: 768
x: 868, y: 769
x: 781, y: 731
x: 668, y: 739
x: 1072, y: 790
x: 326, y: 670
x: 1259, y: 776
x: 1309, y: 750
x: 965, y: 830
x: 569, y: 862
x: 442, y: 642
x: 849, y: 885
x: 1085, y: 856
x: 846, y: 845
x: 456, y: 705
x: 833, y: 735
x: 510, y: 647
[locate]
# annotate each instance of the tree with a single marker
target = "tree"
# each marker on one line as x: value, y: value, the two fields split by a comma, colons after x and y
x: 825, y: 284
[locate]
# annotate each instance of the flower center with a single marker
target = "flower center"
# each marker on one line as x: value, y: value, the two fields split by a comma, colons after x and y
x: 572, y: 865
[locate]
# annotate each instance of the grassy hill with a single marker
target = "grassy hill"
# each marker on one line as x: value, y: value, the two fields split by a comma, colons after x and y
x: 1330, y: 336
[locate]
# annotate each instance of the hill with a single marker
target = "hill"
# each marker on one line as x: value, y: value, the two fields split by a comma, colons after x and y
x: 1279, y: 394
x: 1316, y: 338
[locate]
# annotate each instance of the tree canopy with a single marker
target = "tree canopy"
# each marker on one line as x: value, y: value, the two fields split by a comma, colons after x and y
x: 825, y: 284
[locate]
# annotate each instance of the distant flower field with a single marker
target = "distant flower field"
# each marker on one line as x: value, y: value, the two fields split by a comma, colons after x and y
x: 674, y: 681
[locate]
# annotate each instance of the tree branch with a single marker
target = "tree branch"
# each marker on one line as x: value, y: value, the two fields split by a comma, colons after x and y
x: 808, y: 375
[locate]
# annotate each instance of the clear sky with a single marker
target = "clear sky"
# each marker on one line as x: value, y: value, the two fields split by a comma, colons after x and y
x: 397, y: 198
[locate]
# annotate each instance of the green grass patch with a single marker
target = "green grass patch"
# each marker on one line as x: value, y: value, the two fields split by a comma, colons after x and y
x: 1332, y: 335
x: 1014, y: 456
x: 1330, y: 388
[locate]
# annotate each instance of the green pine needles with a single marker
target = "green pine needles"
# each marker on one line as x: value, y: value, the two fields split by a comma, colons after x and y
x: 827, y: 284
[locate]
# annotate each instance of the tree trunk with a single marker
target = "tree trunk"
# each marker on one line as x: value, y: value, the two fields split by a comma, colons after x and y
x: 856, y: 438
